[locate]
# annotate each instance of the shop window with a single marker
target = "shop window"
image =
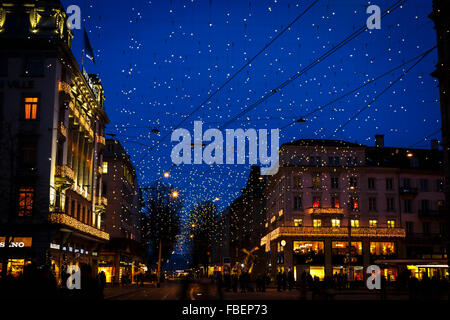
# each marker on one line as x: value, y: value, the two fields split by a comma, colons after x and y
x: 26, y: 201
x: 382, y: 248
x: 373, y: 223
x: 30, y: 109
x: 304, y: 247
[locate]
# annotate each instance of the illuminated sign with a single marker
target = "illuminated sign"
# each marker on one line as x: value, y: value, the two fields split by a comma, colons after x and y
x: 54, y: 246
x: 17, y: 242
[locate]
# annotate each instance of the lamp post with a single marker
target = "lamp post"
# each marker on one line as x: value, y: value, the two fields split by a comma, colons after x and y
x: 174, y: 194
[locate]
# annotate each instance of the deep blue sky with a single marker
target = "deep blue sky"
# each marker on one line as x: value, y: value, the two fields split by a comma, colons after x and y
x: 159, y: 59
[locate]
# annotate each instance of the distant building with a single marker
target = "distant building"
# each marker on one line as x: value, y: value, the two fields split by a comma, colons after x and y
x: 122, y: 256
x: 336, y: 206
x: 241, y: 226
x: 52, y: 137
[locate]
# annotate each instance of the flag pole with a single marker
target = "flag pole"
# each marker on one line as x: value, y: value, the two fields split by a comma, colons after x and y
x: 82, y: 60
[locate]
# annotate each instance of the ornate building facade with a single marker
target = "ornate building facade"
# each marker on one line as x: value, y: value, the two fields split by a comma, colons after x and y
x: 53, y: 119
x: 336, y: 206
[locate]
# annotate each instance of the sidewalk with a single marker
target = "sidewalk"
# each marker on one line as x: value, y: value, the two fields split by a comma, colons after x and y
x: 117, y: 291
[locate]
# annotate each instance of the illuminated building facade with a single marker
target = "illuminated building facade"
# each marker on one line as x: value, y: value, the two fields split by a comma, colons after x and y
x: 52, y: 139
x: 123, y: 255
x: 337, y: 206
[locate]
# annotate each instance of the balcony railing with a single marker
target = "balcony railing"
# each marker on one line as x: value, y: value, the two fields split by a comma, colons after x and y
x: 102, y: 201
x: 408, y: 191
x: 324, y: 210
x: 427, y: 213
x: 61, y: 218
x: 328, y: 232
x: 64, y: 172
x: 101, y: 140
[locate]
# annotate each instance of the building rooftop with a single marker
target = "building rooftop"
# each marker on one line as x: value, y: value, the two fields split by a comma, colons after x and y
x: 321, y: 142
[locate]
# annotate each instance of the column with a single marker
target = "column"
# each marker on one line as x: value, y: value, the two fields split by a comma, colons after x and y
x: 328, y: 258
x: 288, y: 255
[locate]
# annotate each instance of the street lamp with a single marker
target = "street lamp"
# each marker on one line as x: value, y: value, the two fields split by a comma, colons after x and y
x: 166, y: 174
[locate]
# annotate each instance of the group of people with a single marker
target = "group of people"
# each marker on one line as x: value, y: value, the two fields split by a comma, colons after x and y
x: 40, y: 282
x: 285, y: 280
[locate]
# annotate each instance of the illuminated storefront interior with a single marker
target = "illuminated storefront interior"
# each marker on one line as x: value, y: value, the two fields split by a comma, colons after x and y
x: 304, y: 247
x: 382, y: 248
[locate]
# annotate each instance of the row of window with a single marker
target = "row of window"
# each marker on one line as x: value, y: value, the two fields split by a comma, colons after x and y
x: 333, y: 161
x: 336, y: 222
x: 424, y: 204
x: 341, y: 247
x: 33, y: 66
x: 371, y: 183
x: 26, y: 206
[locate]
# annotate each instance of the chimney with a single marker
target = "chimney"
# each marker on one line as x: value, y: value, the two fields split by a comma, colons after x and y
x: 434, y: 144
x: 379, y: 140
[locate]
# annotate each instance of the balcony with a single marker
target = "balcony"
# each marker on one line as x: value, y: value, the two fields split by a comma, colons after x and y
x: 101, y: 140
x: 408, y: 191
x: 331, y: 232
x: 102, y: 201
x: 64, y: 176
x: 427, y: 213
x: 324, y: 210
x: 62, y: 130
x: 63, y: 219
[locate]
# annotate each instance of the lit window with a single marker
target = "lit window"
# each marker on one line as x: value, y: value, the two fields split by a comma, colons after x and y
x: 354, y: 223
x: 316, y: 202
x: 382, y: 248
x: 373, y: 223
x: 105, y: 167
x: 298, y: 222
x: 316, y: 182
x: 26, y: 198
x: 31, y: 108
x: 335, y: 223
x: 334, y: 202
x: 391, y: 223
x: 317, y: 223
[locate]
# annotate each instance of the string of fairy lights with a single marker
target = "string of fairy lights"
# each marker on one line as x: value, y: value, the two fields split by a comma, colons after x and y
x: 235, y: 66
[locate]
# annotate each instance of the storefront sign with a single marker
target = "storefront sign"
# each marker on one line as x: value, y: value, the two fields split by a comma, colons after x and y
x: 17, y: 242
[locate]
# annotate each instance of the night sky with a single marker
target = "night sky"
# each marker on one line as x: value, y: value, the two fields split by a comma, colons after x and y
x: 159, y: 60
